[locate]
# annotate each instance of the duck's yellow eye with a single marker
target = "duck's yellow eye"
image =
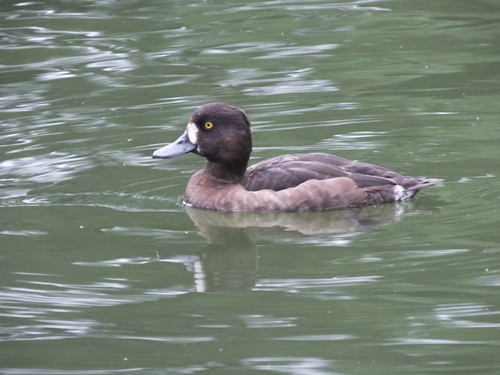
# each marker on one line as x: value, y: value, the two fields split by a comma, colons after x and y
x: 209, y: 125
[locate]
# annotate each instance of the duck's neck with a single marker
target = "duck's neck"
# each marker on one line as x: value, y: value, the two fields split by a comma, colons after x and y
x: 224, y: 172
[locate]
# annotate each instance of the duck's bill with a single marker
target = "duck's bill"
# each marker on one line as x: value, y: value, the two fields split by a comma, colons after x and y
x: 181, y: 146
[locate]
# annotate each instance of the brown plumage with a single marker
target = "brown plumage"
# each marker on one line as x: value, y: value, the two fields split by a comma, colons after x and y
x: 298, y: 182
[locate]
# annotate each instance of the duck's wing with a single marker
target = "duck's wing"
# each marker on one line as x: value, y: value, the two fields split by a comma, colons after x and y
x: 287, y: 171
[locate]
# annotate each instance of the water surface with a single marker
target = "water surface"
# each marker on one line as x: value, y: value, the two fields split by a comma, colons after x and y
x: 103, y: 270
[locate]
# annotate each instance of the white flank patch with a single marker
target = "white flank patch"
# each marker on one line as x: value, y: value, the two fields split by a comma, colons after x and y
x: 192, y: 133
x: 401, y: 194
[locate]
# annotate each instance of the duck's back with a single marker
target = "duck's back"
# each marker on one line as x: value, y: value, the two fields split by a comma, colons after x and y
x: 287, y: 171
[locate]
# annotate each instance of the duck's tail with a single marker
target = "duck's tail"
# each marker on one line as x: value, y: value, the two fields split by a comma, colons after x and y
x: 418, y: 183
x: 410, y: 187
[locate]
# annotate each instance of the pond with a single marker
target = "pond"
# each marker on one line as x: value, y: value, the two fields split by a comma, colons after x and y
x: 104, y: 270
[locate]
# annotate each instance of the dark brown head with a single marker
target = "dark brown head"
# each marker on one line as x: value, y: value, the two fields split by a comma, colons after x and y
x: 219, y: 132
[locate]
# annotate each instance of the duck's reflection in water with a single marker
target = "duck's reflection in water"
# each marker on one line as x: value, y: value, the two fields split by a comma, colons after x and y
x: 229, y: 261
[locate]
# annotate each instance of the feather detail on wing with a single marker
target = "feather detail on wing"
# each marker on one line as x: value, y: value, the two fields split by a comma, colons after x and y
x: 287, y: 171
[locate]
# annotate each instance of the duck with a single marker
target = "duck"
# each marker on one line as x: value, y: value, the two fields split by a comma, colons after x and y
x: 317, y: 181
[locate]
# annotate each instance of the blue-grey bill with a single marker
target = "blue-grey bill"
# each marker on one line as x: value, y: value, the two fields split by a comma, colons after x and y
x: 181, y: 146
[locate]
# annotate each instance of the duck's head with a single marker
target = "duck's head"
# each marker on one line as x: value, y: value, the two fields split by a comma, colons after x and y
x: 219, y: 132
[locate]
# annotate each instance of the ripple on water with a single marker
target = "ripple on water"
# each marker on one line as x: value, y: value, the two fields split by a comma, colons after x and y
x: 290, y: 365
x: 324, y: 289
x: 258, y: 82
x: 31, y: 172
x: 264, y: 321
x: 52, y: 167
x: 467, y: 315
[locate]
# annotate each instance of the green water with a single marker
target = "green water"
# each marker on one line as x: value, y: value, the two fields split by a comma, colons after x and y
x: 104, y: 271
